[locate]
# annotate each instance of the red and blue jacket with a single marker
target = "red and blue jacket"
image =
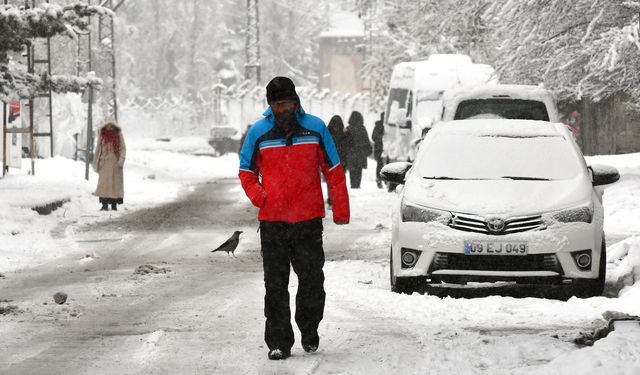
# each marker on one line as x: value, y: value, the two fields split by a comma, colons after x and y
x: 281, y: 174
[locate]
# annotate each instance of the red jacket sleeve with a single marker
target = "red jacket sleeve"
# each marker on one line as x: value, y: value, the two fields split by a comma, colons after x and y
x: 252, y: 187
x: 337, y: 184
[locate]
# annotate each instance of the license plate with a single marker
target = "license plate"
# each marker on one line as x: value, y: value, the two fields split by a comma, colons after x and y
x: 495, y: 248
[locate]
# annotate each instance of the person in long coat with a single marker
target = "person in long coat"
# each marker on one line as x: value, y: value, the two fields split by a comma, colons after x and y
x: 358, y: 148
x: 108, y: 162
x: 336, y: 129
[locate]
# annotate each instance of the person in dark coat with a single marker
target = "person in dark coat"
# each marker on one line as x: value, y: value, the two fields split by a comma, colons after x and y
x: 376, y: 137
x: 336, y: 129
x: 358, y: 148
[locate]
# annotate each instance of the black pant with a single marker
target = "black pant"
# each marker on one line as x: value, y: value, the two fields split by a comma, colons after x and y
x: 379, y: 165
x: 355, y: 177
x: 300, y: 245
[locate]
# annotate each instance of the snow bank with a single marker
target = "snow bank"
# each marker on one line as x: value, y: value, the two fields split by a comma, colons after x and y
x: 622, y: 199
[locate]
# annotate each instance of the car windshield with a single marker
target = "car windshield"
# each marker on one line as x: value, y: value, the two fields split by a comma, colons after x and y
x: 512, y: 109
x: 478, y: 157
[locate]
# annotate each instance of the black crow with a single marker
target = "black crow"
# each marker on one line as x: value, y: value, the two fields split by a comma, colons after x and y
x: 230, y: 245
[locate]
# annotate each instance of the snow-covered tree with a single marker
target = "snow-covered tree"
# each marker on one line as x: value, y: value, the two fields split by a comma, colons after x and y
x: 289, y: 44
x: 18, y: 28
x: 174, y: 48
x: 582, y: 48
x: 409, y: 30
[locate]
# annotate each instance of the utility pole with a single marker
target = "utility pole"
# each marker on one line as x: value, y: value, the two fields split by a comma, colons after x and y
x: 83, y: 67
x: 252, y: 46
x: 106, y: 69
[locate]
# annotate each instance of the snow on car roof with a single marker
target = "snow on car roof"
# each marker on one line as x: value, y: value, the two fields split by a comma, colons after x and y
x: 497, y: 91
x: 500, y: 127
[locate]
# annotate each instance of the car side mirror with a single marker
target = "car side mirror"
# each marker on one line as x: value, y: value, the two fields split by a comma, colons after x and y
x: 603, y: 174
x: 395, y: 172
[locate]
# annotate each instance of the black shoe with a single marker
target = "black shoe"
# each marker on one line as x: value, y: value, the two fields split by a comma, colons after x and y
x: 104, y: 208
x: 379, y: 183
x: 310, y: 342
x: 278, y: 354
x: 114, y: 207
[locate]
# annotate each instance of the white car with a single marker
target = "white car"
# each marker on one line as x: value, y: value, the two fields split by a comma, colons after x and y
x: 499, y: 200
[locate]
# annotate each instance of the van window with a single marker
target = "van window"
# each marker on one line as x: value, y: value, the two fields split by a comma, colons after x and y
x: 512, y: 109
x: 396, y: 95
x: 407, y: 124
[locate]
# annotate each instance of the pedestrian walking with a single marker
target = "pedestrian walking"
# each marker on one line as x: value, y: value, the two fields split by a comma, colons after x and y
x: 336, y: 129
x: 358, y: 148
x: 108, y: 161
x: 376, y: 136
x: 279, y: 164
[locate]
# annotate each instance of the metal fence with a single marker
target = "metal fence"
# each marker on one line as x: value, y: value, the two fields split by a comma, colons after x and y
x: 236, y: 106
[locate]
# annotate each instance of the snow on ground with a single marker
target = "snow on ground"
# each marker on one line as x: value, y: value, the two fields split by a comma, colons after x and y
x: 622, y: 199
x: 155, y: 173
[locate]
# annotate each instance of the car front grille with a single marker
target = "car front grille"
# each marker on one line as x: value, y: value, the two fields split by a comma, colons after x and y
x: 478, y: 224
x: 532, y: 262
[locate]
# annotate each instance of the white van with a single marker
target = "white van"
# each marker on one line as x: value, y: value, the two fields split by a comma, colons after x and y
x: 415, y: 100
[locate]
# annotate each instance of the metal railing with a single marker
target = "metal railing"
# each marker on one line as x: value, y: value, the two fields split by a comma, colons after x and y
x: 236, y: 106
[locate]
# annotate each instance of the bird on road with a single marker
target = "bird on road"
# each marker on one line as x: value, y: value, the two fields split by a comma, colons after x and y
x: 230, y: 245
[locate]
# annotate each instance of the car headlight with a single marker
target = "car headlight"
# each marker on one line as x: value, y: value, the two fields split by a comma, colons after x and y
x: 420, y: 214
x: 581, y: 214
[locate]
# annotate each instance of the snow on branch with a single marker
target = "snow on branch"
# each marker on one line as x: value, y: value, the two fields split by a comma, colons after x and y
x: 18, y: 27
x: 579, y: 48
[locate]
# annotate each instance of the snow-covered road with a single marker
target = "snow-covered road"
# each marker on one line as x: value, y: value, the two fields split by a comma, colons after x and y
x: 202, y: 312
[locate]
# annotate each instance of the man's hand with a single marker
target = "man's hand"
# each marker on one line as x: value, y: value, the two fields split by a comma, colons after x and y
x: 341, y: 221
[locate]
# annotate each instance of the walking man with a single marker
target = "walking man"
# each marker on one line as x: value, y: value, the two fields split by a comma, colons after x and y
x: 280, y: 161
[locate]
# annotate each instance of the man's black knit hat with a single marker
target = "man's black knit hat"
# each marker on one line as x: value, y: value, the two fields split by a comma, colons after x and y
x: 281, y: 88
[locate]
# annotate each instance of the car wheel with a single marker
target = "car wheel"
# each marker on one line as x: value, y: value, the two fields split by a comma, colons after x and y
x: 400, y: 284
x: 594, y: 287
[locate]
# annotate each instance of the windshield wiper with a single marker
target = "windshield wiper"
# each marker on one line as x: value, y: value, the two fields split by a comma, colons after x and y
x: 450, y: 178
x: 526, y: 178
x: 440, y: 178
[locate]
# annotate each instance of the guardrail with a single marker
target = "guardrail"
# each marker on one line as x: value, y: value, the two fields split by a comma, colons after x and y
x: 236, y: 106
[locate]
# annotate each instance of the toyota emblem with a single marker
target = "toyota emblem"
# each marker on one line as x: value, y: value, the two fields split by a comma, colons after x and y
x: 495, y: 225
